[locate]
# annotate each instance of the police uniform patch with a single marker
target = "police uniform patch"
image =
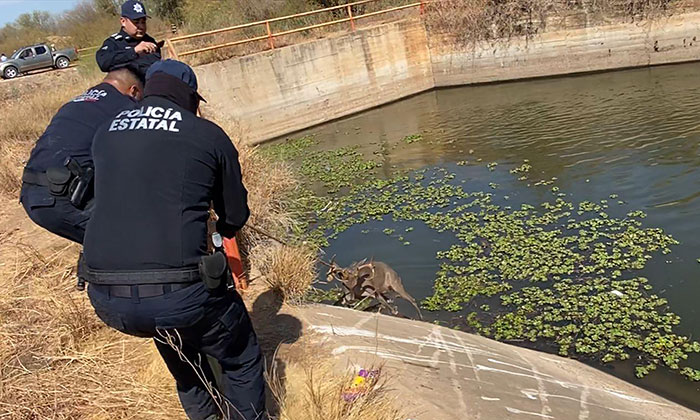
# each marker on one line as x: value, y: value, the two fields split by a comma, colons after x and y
x: 92, y: 95
x: 138, y: 8
x: 147, y: 118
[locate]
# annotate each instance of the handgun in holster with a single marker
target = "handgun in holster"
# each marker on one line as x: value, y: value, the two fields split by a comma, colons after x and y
x: 80, y: 190
x: 214, y: 269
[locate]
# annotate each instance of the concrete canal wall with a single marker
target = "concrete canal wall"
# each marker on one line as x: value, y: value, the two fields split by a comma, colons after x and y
x: 280, y: 91
x: 442, y: 374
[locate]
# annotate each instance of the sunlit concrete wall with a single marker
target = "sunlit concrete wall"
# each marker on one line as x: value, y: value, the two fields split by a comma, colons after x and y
x: 567, y: 51
x: 277, y: 92
x: 287, y: 89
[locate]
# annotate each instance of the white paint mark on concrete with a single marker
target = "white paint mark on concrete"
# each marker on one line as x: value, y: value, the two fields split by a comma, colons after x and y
x: 453, y: 367
x: 542, y: 391
x: 531, y: 393
x: 471, y: 360
x: 418, y: 341
x: 554, y: 360
x: 516, y: 411
x: 583, y: 407
x: 631, y: 398
x: 519, y: 367
x: 429, y: 362
x: 328, y: 315
x: 570, y: 385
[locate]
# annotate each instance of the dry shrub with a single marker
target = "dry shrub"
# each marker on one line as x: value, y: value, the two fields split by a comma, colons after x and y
x: 472, y: 21
x: 270, y: 186
x: 57, y: 359
x: 288, y: 270
x: 312, y: 390
x: 25, y: 116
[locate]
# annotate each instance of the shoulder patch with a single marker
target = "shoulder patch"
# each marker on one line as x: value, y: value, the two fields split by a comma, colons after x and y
x: 106, y: 47
x: 92, y: 95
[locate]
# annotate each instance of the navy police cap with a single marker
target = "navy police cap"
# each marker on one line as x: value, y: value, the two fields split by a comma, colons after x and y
x: 176, y: 69
x: 133, y: 10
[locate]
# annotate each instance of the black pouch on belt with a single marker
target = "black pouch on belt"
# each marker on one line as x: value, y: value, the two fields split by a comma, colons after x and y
x: 214, y: 271
x: 59, y: 179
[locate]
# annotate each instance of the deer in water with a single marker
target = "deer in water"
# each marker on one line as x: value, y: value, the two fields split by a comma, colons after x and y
x: 370, y: 279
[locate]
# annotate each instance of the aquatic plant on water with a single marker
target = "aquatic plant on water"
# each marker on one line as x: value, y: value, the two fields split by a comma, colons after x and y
x: 560, y: 272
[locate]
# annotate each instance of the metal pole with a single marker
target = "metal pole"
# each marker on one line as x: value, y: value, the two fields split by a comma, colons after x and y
x: 270, y: 39
x: 171, y: 50
x: 352, y: 21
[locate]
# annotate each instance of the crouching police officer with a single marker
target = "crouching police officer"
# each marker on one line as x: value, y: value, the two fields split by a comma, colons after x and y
x: 57, y: 179
x: 131, y: 47
x: 157, y: 169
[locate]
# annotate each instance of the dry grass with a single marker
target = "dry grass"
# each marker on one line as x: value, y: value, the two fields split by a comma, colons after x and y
x: 288, y: 270
x: 57, y: 360
x: 473, y: 21
x: 312, y: 390
x: 25, y: 116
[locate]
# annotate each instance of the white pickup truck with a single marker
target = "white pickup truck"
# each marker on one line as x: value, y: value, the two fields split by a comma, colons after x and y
x: 35, y: 57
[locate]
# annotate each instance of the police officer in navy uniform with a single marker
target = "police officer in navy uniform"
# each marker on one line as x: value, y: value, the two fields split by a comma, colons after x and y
x: 53, y: 193
x: 131, y: 47
x: 157, y: 169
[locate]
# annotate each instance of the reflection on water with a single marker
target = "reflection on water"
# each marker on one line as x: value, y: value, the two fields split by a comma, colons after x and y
x: 634, y: 133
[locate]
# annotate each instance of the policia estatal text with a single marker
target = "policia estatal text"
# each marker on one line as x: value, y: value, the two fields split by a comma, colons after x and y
x: 158, y: 167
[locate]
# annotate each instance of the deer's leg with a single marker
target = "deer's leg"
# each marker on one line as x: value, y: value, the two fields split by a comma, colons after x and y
x: 346, y: 298
x: 383, y: 301
x: 404, y: 295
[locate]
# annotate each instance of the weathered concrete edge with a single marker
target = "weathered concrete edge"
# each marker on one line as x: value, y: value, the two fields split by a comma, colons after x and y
x: 279, y: 92
x: 441, y: 374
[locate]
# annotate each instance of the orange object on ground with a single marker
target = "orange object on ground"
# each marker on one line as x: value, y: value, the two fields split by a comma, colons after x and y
x: 235, y: 263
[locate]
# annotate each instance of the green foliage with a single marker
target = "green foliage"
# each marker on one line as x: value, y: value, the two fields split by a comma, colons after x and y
x: 322, y: 296
x: 412, y: 138
x: 289, y: 150
x: 563, y: 272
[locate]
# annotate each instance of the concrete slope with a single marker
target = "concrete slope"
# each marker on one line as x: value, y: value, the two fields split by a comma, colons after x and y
x: 446, y: 374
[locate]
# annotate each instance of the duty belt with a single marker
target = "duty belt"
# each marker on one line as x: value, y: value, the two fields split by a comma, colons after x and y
x: 130, y: 278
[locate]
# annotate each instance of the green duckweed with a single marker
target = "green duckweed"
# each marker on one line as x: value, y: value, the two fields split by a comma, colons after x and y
x: 561, y: 273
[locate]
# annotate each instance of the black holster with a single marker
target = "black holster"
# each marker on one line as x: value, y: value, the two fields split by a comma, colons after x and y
x: 80, y: 189
x: 215, y: 273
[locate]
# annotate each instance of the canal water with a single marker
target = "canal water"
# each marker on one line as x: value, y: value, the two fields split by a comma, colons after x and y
x: 632, y: 133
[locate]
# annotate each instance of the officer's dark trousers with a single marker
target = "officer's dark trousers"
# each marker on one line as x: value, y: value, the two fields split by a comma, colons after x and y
x: 203, y: 325
x: 55, y: 214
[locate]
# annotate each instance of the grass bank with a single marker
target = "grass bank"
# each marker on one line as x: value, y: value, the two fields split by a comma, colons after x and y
x: 58, y: 361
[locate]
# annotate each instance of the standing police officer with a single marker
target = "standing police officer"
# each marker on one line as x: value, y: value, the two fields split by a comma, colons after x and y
x: 131, y: 47
x: 56, y: 184
x: 158, y: 167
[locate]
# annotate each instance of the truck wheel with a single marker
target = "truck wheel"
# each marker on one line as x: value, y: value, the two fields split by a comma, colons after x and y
x: 10, y: 72
x: 62, y: 62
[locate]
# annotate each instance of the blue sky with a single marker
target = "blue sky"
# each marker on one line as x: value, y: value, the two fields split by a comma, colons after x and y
x: 10, y: 9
